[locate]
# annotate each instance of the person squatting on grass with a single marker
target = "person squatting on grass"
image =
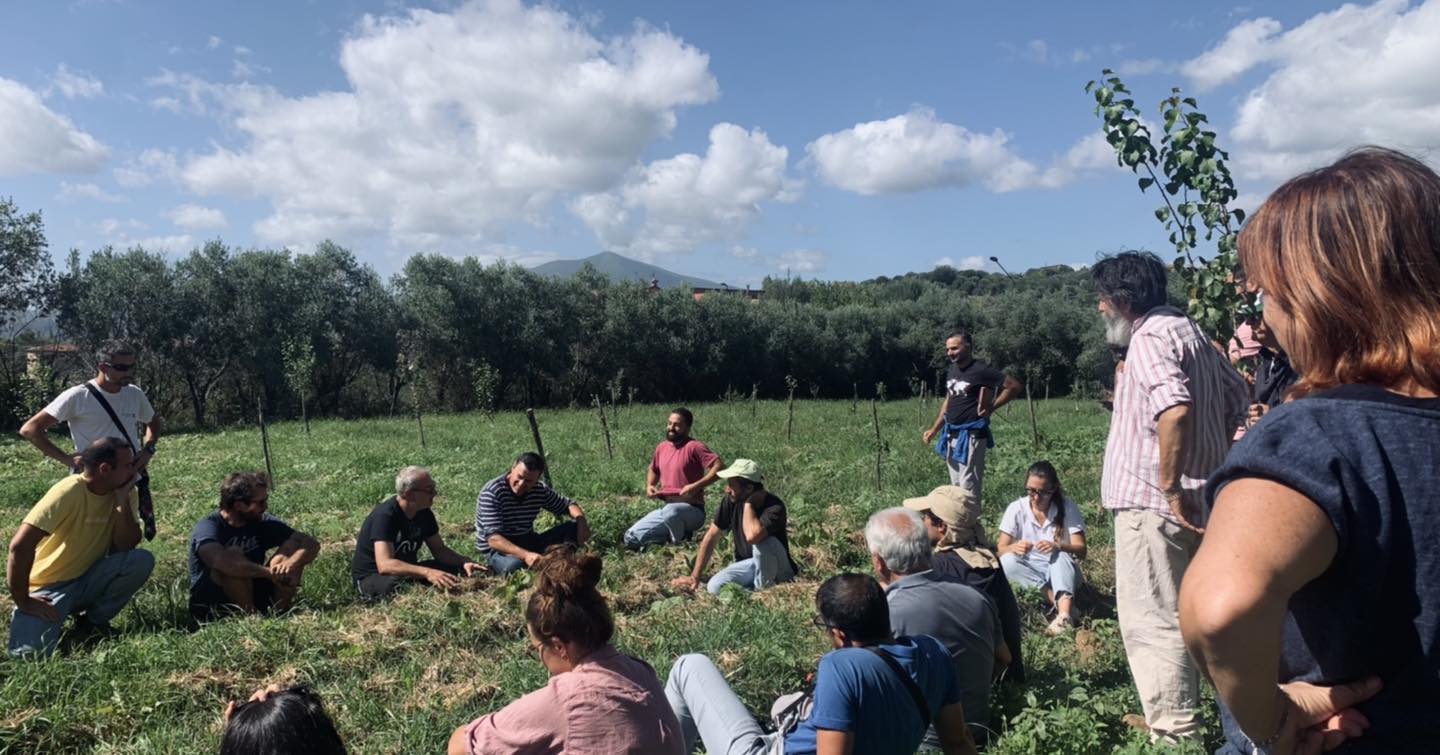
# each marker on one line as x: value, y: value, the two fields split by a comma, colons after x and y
x: 961, y: 552
x: 109, y: 406
x: 1312, y: 603
x: 757, y: 522
x: 1178, y: 402
x: 505, y: 515
x: 280, y: 721
x: 228, y: 569
x: 874, y: 693
x: 387, y: 550
x: 1042, y: 541
x: 962, y: 430
x: 923, y: 602
x: 680, y: 470
x: 598, y: 700
x: 75, y: 553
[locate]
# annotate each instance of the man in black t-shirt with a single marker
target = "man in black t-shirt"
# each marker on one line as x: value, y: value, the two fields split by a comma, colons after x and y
x: 387, y: 550
x: 973, y: 391
x: 756, y: 518
x: 228, y: 569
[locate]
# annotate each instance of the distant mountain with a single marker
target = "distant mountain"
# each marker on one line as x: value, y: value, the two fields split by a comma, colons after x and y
x: 621, y: 268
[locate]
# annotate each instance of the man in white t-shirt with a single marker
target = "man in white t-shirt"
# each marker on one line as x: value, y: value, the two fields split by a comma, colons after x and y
x: 89, y: 421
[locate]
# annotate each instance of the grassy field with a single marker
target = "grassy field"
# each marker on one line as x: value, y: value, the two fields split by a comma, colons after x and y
x: 400, y: 676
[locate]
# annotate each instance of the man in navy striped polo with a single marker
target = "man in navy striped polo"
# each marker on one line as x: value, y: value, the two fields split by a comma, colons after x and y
x: 505, y: 517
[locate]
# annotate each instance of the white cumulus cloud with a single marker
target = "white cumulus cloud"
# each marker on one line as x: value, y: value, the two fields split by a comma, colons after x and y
x: 1355, y: 75
x: 678, y: 203
x: 146, y: 168
x: 918, y: 151
x: 75, y: 192
x: 800, y: 261
x: 453, y: 123
x: 36, y: 139
x: 195, y: 217
x: 76, y: 84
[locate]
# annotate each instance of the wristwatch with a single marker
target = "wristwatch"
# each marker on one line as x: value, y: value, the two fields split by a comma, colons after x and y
x: 149, y: 448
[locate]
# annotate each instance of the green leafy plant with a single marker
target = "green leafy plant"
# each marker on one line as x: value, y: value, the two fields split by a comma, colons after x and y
x: 1196, y: 187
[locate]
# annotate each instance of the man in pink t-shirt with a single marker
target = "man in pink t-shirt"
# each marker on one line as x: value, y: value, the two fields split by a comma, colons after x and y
x: 680, y: 470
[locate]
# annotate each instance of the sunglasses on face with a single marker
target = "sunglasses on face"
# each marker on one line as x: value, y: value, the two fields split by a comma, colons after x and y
x: 120, y: 367
x: 1038, y: 492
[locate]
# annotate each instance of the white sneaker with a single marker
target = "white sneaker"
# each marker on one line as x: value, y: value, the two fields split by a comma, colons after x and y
x: 1059, y: 626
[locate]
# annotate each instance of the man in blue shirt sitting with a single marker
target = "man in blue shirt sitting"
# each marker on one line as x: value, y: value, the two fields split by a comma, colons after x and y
x: 905, y: 684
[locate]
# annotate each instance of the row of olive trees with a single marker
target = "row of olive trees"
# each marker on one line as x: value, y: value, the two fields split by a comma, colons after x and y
x: 222, y: 331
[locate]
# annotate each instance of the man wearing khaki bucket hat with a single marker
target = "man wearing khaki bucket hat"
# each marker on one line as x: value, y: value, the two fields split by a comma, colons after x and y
x: 963, y: 553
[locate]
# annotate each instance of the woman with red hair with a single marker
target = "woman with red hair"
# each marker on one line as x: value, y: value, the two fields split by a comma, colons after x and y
x: 1313, y: 604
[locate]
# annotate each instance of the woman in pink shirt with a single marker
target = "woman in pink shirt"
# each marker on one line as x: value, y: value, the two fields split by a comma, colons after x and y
x: 599, y: 701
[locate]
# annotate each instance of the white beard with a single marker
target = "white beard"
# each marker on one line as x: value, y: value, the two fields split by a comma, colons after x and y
x: 1118, y: 330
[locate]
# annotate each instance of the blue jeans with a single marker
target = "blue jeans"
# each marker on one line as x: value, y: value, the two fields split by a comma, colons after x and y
x: 710, y: 712
x: 672, y: 523
x: 99, y: 593
x: 501, y: 564
x: 768, y: 565
x: 1062, y: 575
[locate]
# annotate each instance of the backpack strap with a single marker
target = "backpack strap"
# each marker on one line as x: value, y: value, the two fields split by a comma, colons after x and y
x: 113, y: 416
x: 910, y: 686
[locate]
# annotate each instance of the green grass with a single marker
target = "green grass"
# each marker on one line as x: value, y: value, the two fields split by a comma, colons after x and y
x: 400, y: 676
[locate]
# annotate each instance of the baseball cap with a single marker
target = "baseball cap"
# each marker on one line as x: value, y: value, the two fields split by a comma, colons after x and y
x: 745, y: 469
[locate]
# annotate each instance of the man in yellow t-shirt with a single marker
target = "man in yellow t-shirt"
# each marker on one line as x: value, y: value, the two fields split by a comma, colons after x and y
x: 75, y: 552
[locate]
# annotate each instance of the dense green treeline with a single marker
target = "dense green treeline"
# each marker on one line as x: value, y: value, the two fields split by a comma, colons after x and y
x: 221, y: 331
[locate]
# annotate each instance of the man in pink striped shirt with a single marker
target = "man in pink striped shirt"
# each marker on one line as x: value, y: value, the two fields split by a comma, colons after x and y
x: 1177, y: 405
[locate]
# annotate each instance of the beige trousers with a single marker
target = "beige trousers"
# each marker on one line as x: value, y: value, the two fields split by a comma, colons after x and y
x: 1151, y: 555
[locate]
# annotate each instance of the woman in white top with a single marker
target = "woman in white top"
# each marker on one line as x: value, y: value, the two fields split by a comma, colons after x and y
x: 1042, y: 539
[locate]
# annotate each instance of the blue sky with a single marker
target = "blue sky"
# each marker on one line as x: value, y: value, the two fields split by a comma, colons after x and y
x: 838, y: 140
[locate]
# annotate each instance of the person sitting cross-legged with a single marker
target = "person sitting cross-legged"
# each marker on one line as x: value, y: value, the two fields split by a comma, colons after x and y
x: 387, y: 550
x: 1042, y: 540
x: 75, y: 552
x: 679, y: 472
x: 598, y: 700
x: 756, y: 517
x: 874, y: 693
x: 505, y: 517
x: 923, y: 601
x: 228, y: 569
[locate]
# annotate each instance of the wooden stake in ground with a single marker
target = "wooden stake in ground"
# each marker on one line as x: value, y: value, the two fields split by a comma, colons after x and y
x: 855, y: 398
x: 604, y: 426
x: 265, y: 441
x: 879, y: 444
x: 539, y: 445
x: 790, y: 418
x: 754, y: 398
x: 419, y: 423
x: 1034, y: 428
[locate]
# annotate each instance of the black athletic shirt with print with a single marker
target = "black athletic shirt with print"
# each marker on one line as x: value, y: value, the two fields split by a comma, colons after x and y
x: 963, y: 387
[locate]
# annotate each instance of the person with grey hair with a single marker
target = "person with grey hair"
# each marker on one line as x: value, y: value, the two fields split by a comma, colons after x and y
x: 387, y: 550
x: 923, y: 602
x: 109, y: 406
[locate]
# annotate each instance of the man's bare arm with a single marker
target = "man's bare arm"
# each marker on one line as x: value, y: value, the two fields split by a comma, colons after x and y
x: 36, y: 430
x: 17, y: 573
